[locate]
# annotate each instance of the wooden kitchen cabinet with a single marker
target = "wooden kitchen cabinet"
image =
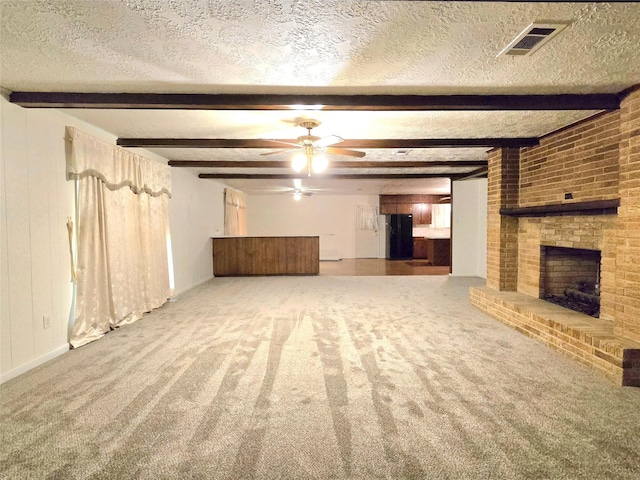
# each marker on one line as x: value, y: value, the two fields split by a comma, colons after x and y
x: 393, y: 208
x: 439, y: 251
x: 393, y: 204
x: 388, y: 208
x: 404, y: 208
x: 388, y: 205
x: 417, y: 205
x: 436, y: 250
x: 420, y: 247
x: 421, y: 213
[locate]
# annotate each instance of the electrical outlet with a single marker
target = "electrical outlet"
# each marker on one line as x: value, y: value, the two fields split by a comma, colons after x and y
x: 46, y: 321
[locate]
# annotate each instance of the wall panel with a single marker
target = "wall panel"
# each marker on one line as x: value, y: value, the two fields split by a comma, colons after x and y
x: 37, y: 199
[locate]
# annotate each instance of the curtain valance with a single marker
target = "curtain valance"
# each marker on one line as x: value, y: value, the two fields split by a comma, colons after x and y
x: 113, y: 165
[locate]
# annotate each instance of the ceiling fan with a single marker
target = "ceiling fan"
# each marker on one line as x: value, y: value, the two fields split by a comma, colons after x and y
x: 312, y: 147
x: 298, y: 191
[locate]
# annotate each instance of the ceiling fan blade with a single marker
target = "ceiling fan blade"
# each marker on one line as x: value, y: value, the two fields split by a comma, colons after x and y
x: 279, y: 151
x: 326, y: 141
x: 282, y: 142
x: 344, y: 151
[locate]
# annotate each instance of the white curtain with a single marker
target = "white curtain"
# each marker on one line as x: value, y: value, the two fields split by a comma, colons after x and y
x: 367, y: 217
x: 441, y: 215
x: 123, y: 223
x: 235, y: 213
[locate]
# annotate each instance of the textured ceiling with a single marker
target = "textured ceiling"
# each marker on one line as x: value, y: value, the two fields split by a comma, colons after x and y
x: 245, y: 154
x: 353, y: 124
x: 316, y: 47
x: 369, y: 46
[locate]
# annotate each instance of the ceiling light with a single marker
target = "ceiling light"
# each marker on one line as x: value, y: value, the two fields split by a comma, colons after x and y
x: 311, y: 146
x: 319, y: 163
x: 297, y: 195
x: 298, y: 162
x: 309, y: 160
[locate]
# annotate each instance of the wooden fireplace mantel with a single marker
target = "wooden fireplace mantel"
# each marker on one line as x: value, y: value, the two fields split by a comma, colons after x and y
x: 596, y: 207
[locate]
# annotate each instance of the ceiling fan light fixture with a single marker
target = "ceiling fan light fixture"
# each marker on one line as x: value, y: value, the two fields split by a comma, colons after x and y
x: 310, y: 159
x: 298, y: 162
x: 319, y: 163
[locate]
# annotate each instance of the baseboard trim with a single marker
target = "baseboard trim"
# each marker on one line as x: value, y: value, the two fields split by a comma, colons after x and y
x: 194, y: 285
x: 6, y: 376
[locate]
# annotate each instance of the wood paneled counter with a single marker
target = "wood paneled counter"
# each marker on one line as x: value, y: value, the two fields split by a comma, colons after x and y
x: 437, y: 250
x: 265, y: 256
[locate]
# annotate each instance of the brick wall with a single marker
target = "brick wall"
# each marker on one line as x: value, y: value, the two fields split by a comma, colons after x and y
x: 502, y: 232
x: 627, y: 270
x: 582, y: 160
x: 529, y: 275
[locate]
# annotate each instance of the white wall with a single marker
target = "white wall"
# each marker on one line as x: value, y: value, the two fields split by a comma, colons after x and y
x: 333, y: 217
x: 35, y: 202
x: 469, y: 228
x: 196, y: 213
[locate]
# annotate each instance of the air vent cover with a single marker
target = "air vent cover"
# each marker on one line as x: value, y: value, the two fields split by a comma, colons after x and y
x: 402, y: 152
x: 532, y: 38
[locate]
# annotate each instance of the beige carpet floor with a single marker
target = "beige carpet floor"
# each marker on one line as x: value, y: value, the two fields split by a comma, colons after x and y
x: 318, y: 377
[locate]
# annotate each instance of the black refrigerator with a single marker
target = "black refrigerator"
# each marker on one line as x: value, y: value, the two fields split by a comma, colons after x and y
x: 399, y: 237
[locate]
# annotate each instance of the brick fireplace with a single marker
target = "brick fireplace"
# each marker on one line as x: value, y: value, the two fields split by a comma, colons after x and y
x: 542, y: 239
x: 570, y: 277
x: 579, y: 189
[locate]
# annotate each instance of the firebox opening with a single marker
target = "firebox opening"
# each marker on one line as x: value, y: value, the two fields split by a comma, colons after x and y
x: 570, y: 277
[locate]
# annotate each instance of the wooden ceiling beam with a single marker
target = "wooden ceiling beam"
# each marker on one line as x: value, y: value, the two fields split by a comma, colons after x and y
x: 399, y: 143
x: 291, y: 176
x: 190, y: 101
x: 334, y: 164
x: 480, y: 172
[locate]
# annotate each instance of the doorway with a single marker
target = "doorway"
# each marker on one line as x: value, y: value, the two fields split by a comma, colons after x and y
x: 367, y: 231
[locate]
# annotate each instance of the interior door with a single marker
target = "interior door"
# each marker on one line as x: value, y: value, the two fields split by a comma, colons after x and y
x: 367, y: 231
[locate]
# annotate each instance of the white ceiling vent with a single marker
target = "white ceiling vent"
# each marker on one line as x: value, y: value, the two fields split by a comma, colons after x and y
x: 532, y: 38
